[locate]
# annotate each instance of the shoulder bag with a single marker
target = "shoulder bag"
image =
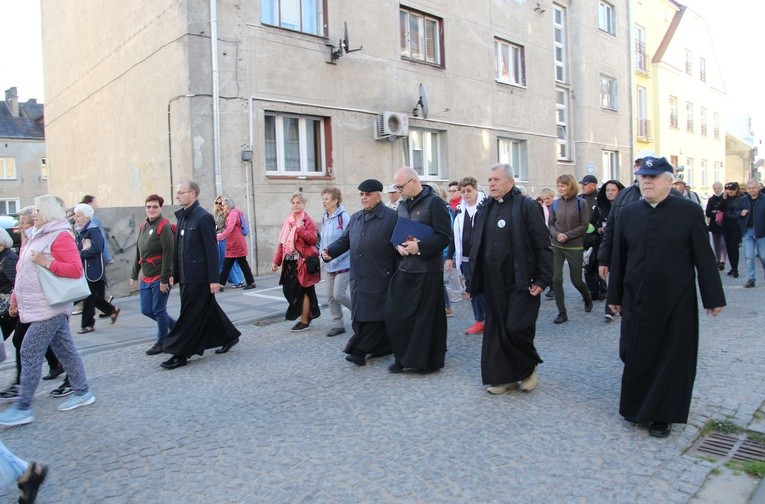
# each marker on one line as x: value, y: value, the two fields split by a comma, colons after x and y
x: 60, y: 290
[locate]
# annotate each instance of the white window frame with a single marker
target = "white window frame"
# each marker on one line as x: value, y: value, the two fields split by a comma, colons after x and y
x: 44, y: 173
x: 703, y: 120
x: 610, y: 161
x: 689, y: 171
x: 292, y: 14
x: 8, y: 168
x: 303, y: 150
x: 702, y: 69
x: 415, y: 46
x: 609, y: 96
x: 559, y: 44
x: 716, y: 124
x: 509, y: 63
x: 428, y: 143
x: 643, y: 125
x: 703, y: 170
x: 689, y: 126
x: 688, y: 62
x: 606, y: 17
x: 514, y: 151
x: 641, y: 57
x: 716, y: 174
x: 674, y: 111
x: 563, y: 133
x: 4, y: 210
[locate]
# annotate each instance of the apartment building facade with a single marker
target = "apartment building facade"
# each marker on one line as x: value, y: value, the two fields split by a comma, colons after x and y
x: 262, y: 99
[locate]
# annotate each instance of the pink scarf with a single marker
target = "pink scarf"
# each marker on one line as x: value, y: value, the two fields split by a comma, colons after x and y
x: 287, y: 234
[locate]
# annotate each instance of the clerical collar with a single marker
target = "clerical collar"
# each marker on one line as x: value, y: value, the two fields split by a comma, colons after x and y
x: 501, y: 199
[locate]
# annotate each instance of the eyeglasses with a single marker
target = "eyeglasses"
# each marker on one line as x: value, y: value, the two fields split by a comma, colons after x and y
x: 178, y: 193
x: 152, y: 207
x: 454, y: 190
x: 401, y: 187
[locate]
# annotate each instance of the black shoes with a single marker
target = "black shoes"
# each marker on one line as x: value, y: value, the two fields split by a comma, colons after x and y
x: 733, y: 273
x: 32, y: 478
x: 335, y: 331
x: 721, y: 266
x: 660, y: 429
x: 562, y: 317
x: 356, y: 357
x: 228, y: 346
x: 588, y: 305
x: 175, y: 361
x: 154, y: 350
x: 54, y: 373
x: 550, y: 294
x: 748, y: 285
x: 300, y: 327
x: 248, y: 287
x: 395, y: 368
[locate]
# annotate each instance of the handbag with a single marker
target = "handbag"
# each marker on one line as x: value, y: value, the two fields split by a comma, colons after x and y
x: 5, y: 303
x: 62, y: 290
x: 312, y: 264
x: 719, y: 216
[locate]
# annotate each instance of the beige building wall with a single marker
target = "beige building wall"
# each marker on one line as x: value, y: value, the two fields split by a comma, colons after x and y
x: 29, y: 181
x: 109, y: 107
x: 738, y: 160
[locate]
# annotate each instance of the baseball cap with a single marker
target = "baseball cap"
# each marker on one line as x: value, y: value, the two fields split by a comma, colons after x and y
x: 654, y: 166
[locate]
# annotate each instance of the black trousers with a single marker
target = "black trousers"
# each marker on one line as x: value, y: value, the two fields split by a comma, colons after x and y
x: 732, y: 235
x: 95, y: 300
x: 228, y: 263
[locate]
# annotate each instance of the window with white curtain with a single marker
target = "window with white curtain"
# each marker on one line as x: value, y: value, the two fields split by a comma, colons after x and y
x: 514, y: 152
x: 420, y: 36
x: 294, y: 144
x: 425, y: 153
x: 509, y: 63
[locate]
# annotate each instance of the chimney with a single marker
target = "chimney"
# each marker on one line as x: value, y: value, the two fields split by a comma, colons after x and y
x: 12, y: 99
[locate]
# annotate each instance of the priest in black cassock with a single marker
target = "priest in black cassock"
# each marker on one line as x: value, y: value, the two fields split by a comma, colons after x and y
x: 373, y: 262
x: 660, y: 245
x: 513, y: 264
x: 415, y: 311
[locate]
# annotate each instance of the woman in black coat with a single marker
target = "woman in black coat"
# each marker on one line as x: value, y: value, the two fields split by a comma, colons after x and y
x: 731, y: 229
x: 608, y: 193
x: 718, y: 240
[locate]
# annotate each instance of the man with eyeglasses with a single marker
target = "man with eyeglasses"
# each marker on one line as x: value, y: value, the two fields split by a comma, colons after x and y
x: 455, y: 196
x: 374, y: 260
x: 415, y: 311
x: 201, y: 323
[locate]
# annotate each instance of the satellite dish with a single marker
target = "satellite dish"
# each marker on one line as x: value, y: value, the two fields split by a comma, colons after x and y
x: 423, y: 103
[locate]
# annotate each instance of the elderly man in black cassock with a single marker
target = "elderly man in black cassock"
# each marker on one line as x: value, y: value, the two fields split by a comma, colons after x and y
x: 660, y: 245
x: 373, y: 262
x: 415, y: 311
x: 513, y: 264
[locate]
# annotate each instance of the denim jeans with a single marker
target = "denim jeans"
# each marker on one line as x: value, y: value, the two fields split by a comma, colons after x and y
x: 751, y: 242
x: 477, y: 302
x: 11, y: 466
x: 154, y: 306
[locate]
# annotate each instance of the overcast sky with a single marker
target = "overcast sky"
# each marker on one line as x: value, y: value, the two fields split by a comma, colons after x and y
x: 734, y: 25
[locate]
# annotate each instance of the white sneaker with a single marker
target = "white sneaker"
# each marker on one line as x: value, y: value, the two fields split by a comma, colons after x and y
x: 76, y: 401
x: 529, y: 383
x: 501, y: 389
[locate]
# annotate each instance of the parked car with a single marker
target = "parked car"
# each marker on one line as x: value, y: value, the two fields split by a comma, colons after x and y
x: 11, y: 224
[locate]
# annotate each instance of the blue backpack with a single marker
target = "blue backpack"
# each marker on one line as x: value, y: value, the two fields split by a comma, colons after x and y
x: 243, y: 222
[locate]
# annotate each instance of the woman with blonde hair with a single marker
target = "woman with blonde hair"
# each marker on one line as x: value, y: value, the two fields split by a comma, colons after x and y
x: 568, y: 224
x: 235, y: 277
x: 50, y: 246
x: 297, y: 242
x: 236, y: 245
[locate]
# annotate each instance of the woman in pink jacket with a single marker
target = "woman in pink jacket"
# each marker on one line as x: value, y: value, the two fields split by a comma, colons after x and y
x: 50, y: 245
x: 236, y: 246
x: 297, y: 241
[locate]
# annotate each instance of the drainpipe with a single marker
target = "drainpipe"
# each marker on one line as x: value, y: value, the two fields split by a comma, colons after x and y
x: 251, y: 190
x: 215, y: 94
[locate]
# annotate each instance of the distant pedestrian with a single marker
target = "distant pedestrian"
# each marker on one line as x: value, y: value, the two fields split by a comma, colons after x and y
x: 50, y: 246
x: 715, y: 224
x: 685, y: 191
x: 752, y: 223
x: 91, y: 245
x: 333, y: 223
x: 93, y: 202
x: 202, y: 324
x: 297, y: 241
x: 236, y: 278
x: 154, y: 261
x: 393, y: 197
x: 367, y: 239
x: 607, y: 195
x: 415, y: 311
x: 512, y: 265
x: 569, y: 222
x: 660, y: 246
x: 730, y: 207
x: 236, y: 245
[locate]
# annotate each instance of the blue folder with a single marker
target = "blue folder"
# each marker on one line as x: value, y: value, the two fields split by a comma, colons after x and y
x: 406, y: 229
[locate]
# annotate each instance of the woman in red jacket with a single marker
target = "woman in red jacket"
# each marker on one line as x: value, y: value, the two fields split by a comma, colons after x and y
x: 236, y: 246
x: 297, y: 241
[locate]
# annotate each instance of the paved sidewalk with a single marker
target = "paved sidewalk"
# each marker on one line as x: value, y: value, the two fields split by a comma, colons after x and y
x: 284, y: 418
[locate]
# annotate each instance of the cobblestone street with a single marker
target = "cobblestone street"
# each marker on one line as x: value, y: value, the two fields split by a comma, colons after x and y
x: 284, y: 418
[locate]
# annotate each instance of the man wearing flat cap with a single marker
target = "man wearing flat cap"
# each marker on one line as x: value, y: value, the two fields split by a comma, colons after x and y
x: 373, y: 262
x: 660, y: 246
x: 415, y: 311
x: 589, y: 185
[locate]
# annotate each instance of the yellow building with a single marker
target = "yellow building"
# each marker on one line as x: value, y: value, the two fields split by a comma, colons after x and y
x: 678, y: 91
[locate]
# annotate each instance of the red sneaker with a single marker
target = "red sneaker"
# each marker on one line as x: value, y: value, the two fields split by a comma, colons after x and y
x: 476, y: 328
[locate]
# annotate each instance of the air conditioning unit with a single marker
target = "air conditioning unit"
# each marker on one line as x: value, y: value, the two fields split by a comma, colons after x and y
x: 391, y: 124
